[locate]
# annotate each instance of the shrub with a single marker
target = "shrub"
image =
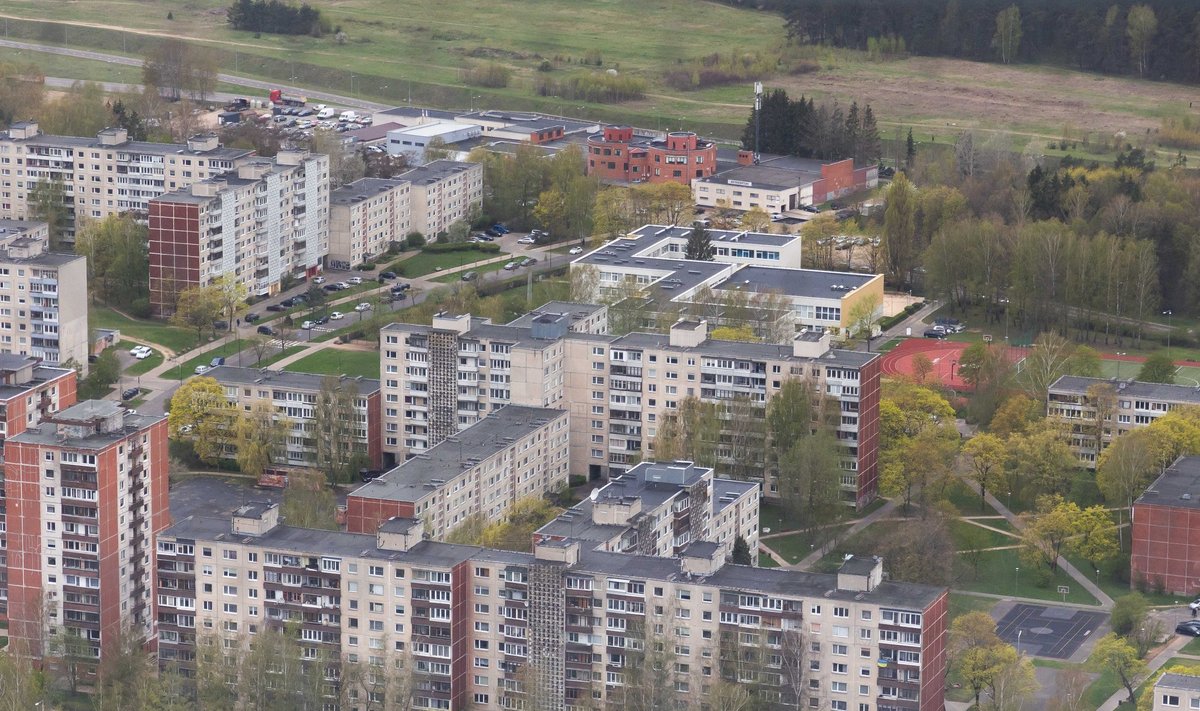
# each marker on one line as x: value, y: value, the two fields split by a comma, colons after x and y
x: 596, y: 87
x: 365, y: 267
x: 444, y: 247
x: 414, y: 240
x: 717, y: 69
x: 140, y: 308
x: 492, y: 75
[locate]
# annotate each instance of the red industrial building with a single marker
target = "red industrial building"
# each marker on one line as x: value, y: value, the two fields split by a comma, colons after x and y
x: 1166, y: 531
x: 617, y: 154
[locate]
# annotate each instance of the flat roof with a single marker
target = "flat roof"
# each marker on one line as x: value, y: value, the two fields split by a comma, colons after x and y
x: 1183, y: 682
x: 744, y: 350
x: 46, y: 433
x: 436, y: 170
x: 431, y: 469
x: 723, y: 489
x: 233, y: 375
x: 438, y: 128
x: 811, y: 283
x: 18, y: 226
x: 146, y: 147
x: 576, y: 310
x: 375, y: 132
x: 519, y: 336
x: 1178, y: 486
x: 41, y: 374
x: 362, y: 189
x: 650, y: 235
x: 763, y: 176
x: 1076, y: 385
x: 47, y: 259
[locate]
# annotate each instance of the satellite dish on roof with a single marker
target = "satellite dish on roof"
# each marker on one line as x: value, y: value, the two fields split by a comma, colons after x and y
x: 594, y: 495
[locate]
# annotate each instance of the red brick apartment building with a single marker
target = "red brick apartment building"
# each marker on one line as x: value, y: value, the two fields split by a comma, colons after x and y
x: 1166, y: 530
x: 87, y: 494
x: 28, y: 392
x: 618, y: 155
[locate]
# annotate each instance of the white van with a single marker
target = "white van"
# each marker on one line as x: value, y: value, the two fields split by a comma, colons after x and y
x: 348, y: 116
x: 326, y: 113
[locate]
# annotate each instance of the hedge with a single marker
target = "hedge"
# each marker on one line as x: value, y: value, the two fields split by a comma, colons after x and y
x: 889, y: 321
x: 442, y: 247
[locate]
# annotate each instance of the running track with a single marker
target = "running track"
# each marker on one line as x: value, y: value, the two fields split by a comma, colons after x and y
x: 943, y: 354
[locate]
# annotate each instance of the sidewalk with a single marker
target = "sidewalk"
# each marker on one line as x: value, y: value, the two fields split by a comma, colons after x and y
x: 812, y: 558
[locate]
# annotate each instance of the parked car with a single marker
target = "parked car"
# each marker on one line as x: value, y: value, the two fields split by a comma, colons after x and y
x: 810, y: 208
x: 491, y: 233
x: 219, y: 360
x: 220, y: 325
x: 355, y: 280
x: 470, y: 276
x: 528, y: 262
x: 342, y: 286
x: 266, y: 331
x: 501, y: 228
x: 931, y: 333
x: 1191, y: 628
x: 364, y: 306
x: 251, y: 317
x: 387, y: 275
x: 1195, y: 604
x: 575, y: 250
x: 331, y: 287
x: 275, y: 307
x: 130, y: 393
x: 776, y: 216
x: 201, y: 369
x: 307, y: 325
x: 511, y: 265
x: 143, y: 354
x: 336, y: 316
x: 401, y: 287
x: 527, y: 240
x: 318, y: 280
x: 485, y: 237
x: 288, y: 302
x: 322, y: 320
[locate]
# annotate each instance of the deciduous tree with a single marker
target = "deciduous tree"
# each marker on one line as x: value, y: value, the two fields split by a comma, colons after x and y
x: 1157, y: 368
x: 47, y: 203
x: 308, y: 502
x: 1114, y: 655
x: 1007, y: 39
x: 1048, y: 531
x: 260, y: 434
x: 987, y: 454
x: 200, y: 413
x: 197, y: 308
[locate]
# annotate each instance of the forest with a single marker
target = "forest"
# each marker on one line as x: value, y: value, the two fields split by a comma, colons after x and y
x: 1158, y: 39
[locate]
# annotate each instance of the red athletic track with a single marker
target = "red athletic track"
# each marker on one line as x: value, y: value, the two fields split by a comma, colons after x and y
x: 943, y: 354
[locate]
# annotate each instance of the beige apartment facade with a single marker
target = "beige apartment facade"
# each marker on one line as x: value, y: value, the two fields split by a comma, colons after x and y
x: 105, y: 175
x: 557, y: 629
x: 366, y: 218
x: 43, y: 297
x: 443, y: 192
x: 512, y: 453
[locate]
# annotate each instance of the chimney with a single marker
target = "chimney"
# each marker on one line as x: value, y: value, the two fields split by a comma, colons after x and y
x: 745, y: 158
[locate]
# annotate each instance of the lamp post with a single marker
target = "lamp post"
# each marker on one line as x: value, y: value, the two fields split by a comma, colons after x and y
x: 1019, y: 639
x: 1168, y: 313
x: 1119, y: 356
x: 1016, y: 586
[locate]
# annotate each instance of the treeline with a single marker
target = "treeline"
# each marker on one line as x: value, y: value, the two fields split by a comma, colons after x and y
x: 807, y: 129
x: 1091, y: 35
x: 276, y: 17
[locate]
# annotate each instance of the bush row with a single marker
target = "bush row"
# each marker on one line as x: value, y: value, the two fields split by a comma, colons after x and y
x: 889, y: 321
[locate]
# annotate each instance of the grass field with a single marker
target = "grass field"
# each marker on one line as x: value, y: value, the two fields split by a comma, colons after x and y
x: 145, y: 365
x: 176, y: 339
x: 226, y: 350
x: 766, y: 561
x: 429, y: 262
x: 335, y: 361
x: 273, y: 359
x: 793, y: 547
x: 1185, y: 375
x: 395, y: 51
x: 998, y: 575
x: 481, y: 270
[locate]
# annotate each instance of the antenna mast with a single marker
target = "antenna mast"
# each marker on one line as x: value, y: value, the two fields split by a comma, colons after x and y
x: 757, y: 118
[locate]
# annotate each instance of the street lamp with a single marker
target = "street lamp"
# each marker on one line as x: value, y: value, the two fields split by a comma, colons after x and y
x: 1119, y: 356
x: 1168, y: 313
x: 1019, y: 638
x: 1016, y: 586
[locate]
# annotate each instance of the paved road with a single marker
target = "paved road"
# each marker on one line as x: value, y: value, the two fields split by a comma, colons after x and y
x: 227, y: 78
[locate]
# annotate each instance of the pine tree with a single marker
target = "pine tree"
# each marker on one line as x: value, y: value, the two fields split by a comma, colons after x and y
x: 699, y: 245
x: 741, y: 552
x: 853, y: 135
x: 910, y: 150
x: 870, y: 147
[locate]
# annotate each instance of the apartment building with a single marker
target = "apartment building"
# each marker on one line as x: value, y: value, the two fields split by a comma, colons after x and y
x: 584, y: 318
x: 1124, y: 404
x: 443, y: 192
x: 87, y: 493
x: 29, y: 391
x: 37, y: 318
x: 510, y: 454
x: 659, y: 509
x: 1166, y: 530
x: 1176, y: 691
x: 105, y: 175
x: 366, y: 218
x: 444, y: 376
x: 558, y: 629
x: 651, y: 259
x: 294, y: 397
x: 621, y: 154
x: 265, y: 221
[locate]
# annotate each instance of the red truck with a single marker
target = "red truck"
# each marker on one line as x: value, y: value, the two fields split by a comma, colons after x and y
x: 279, y: 97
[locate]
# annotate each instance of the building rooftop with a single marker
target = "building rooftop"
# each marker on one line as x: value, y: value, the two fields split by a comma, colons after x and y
x: 859, y: 565
x: 810, y: 283
x: 10, y: 363
x: 578, y: 311
x: 726, y: 491
x: 764, y: 176
x: 429, y: 470
x: 1162, y: 392
x: 233, y: 375
x: 1178, y: 486
x: 12, y: 227
x: 362, y: 189
x: 1183, y: 682
x: 416, y: 112
x: 144, y: 147
x: 650, y: 235
x: 435, y: 171
x: 517, y: 336
x: 375, y: 132
x: 47, y: 433
x: 743, y: 350
x: 435, y: 129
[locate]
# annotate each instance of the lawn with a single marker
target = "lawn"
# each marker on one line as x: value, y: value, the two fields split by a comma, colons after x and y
x: 481, y: 269
x: 962, y: 603
x: 986, y: 539
x: 171, y: 337
x: 794, y: 546
x: 335, y: 361
x: 273, y: 359
x: 145, y: 365
x: 998, y: 575
x: 888, y: 345
x: 1184, y: 375
x: 773, y: 516
x: 226, y: 350
x: 1110, y: 580
x: 429, y: 262
x: 766, y: 561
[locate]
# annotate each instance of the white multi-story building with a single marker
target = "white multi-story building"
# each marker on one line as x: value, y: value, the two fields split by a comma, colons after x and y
x: 105, y: 175
x: 43, y: 297
x: 367, y: 217
x: 443, y: 192
x: 265, y: 221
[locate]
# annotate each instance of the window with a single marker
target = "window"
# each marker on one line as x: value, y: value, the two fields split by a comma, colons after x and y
x: 1170, y: 700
